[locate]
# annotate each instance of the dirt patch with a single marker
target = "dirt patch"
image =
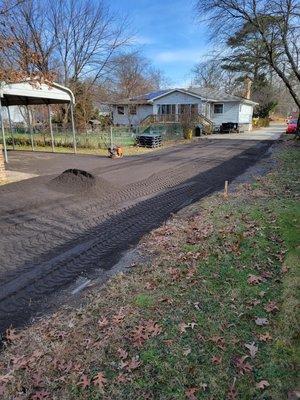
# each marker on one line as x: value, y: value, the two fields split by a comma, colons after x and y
x: 78, y: 181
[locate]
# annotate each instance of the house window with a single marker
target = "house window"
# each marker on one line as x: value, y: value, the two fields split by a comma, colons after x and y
x: 166, y: 109
x: 194, y: 109
x: 121, y: 110
x: 218, y: 108
x: 188, y: 108
x: 132, y: 110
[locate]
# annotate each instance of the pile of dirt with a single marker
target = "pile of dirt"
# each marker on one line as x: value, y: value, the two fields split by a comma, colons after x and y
x: 78, y: 181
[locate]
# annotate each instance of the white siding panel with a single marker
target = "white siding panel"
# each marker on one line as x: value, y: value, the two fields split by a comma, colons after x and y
x: 245, y: 114
x: 142, y: 112
x: 230, y: 113
x: 177, y: 98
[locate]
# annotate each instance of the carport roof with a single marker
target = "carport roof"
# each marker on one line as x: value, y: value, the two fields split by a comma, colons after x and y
x: 33, y: 92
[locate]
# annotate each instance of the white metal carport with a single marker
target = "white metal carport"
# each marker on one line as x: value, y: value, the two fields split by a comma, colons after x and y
x: 34, y: 93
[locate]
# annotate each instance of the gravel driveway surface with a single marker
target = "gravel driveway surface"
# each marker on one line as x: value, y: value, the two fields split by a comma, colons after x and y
x: 50, y: 236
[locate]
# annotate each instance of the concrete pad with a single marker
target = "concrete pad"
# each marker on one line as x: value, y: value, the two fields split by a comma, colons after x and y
x: 273, y: 132
x: 16, y: 176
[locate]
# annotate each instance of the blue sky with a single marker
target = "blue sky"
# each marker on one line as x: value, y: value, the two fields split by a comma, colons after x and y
x: 168, y: 34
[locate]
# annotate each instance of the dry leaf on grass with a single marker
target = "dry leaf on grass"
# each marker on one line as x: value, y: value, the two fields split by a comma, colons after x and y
x: 119, y: 317
x: 144, y: 331
x: 100, y: 380
x: 103, y: 322
x: 175, y: 273
x: 252, y: 349
x: 262, y: 384
x: 254, y: 279
x: 191, y: 393
x: 242, y: 366
x: 11, y: 335
x: 216, y: 360
x: 134, y: 363
x: 232, y: 392
x: 219, y: 341
x: 183, y: 326
x: 122, y: 353
x: 261, y: 321
x: 84, y: 382
x: 204, y: 386
x: 264, y: 337
x: 122, y: 378
x: 271, y: 307
x: 40, y: 395
x: 186, y: 352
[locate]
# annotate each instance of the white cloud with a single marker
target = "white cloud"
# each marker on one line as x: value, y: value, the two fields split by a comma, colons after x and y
x: 184, y: 55
x: 141, y: 40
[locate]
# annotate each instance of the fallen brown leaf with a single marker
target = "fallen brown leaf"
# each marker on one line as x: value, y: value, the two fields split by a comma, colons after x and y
x: 254, y: 279
x: 262, y: 384
x: 122, y: 353
x: 271, y: 307
x: 103, y: 322
x: 99, y: 380
x: 264, y: 337
x: 216, y: 360
x: 191, y: 392
x: 122, y: 378
x: 84, y: 382
x: 40, y: 395
x: 133, y: 364
x: 252, y: 349
x: 243, y: 366
x: 11, y: 335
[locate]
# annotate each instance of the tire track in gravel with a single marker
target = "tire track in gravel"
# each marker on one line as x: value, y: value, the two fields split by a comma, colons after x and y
x: 46, y: 250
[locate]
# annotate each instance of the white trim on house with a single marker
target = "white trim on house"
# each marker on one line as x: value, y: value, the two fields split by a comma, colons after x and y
x: 178, y: 90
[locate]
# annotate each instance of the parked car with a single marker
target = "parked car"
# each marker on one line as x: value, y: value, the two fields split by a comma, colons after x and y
x: 291, y: 126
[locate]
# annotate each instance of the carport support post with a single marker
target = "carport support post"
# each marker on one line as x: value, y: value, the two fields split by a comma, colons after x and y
x: 30, y: 127
x: 10, y: 127
x: 73, y: 127
x: 50, y: 126
x: 3, y: 133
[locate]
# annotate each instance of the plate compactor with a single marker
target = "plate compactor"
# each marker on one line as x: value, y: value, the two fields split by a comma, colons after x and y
x: 115, y: 152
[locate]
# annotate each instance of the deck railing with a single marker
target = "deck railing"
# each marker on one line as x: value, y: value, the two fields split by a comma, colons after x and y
x: 180, y: 118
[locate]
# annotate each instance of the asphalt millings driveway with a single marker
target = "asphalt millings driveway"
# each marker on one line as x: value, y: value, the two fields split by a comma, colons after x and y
x: 53, y: 231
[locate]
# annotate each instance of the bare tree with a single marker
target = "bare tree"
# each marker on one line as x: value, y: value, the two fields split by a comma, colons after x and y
x: 31, y: 44
x: 133, y: 75
x: 210, y: 74
x: 88, y: 36
x: 75, y: 41
x: 275, y: 26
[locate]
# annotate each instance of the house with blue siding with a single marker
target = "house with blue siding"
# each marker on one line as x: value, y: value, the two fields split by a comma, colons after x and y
x: 169, y: 105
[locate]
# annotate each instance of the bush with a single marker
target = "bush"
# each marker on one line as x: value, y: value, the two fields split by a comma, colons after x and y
x: 260, y: 122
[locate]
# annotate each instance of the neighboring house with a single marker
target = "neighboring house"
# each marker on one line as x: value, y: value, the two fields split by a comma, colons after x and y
x: 169, y: 104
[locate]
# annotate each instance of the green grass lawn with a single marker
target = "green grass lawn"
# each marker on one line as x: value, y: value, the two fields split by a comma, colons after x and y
x: 212, y: 315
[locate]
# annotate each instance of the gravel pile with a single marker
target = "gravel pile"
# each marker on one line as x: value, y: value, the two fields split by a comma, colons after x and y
x: 78, y: 181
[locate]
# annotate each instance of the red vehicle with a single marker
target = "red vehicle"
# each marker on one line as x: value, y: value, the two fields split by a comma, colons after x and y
x: 291, y: 126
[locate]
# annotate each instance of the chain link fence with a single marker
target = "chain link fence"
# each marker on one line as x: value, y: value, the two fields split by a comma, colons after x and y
x: 19, y: 137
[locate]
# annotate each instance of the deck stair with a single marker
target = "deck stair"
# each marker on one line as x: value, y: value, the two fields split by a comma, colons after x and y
x: 167, y: 119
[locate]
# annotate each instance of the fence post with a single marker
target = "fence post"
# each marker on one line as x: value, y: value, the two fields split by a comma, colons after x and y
x: 10, y: 127
x: 50, y: 126
x: 73, y: 128
x: 30, y: 127
x: 111, y: 137
x: 3, y: 133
